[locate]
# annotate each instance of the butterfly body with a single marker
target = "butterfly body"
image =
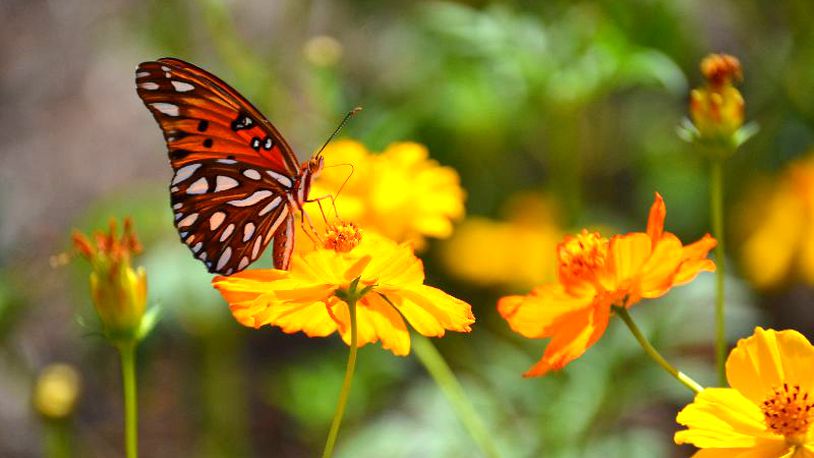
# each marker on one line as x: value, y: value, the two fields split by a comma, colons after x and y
x: 237, y: 184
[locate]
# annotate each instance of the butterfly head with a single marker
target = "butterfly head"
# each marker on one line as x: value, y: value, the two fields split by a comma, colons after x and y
x: 315, y: 165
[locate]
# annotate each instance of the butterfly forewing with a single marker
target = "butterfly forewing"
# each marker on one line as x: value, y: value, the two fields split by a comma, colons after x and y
x: 234, y: 174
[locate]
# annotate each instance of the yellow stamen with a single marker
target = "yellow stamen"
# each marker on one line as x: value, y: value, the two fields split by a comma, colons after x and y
x: 343, y: 237
x: 788, y: 411
x: 582, y: 254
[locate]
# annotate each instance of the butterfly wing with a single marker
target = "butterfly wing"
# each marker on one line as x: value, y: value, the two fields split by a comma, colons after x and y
x: 234, y: 172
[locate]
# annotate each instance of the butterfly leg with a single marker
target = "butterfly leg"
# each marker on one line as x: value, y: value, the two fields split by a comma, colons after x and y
x: 309, y: 228
x: 319, y: 200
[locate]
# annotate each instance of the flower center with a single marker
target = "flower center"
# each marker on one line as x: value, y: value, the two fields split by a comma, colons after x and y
x: 342, y: 237
x: 581, y: 255
x: 788, y: 411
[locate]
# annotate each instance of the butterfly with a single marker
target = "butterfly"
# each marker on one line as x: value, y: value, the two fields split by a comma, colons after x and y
x: 237, y: 183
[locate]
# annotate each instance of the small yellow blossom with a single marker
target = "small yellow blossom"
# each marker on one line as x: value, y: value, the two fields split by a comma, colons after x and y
x: 400, y: 193
x: 56, y: 391
x: 779, y: 218
x: 309, y: 296
x: 515, y: 252
x: 717, y: 108
x: 118, y: 291
x: 769, y: 409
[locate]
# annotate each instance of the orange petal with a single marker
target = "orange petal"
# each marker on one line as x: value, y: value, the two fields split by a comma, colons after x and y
x: 765, y: 449
x: 764, y: 361
x: 627, y: 254
x: 532, y: 315
x: 695, y: 260
x: 724, y: 418
x: 573, y: 334
x: 431, y: 311
x: 655, y: 221
x: 658, y: 274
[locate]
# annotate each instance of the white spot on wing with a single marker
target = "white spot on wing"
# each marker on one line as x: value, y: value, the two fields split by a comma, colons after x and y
x: 227, y: 232
x: 224, y: 258
x: 166, y: 108
x: 202, y: 256
x: 142, y: 74
x: 188, y: 220
x: 177, y: 206
x: 149, y: 85
x: 216, y: 220
x: 222, y: 183
x: 197, y: 247
x: 181, y: 86
x: 282, y: 179
x: 199, y: 187
x: 248, y: 231
x: 227, y: 161
x: 164, y: 68
x: 271, y: 206
x: 174, y: 189
x: 253, y: 199
x: 183, y: 173
x: 256, y: 247
x: 244, y: 261
x: 251, y: 173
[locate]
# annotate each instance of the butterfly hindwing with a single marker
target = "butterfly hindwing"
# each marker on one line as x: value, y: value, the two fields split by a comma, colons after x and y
x: 227, y: 213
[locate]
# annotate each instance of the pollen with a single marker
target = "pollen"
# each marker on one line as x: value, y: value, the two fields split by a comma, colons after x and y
x: 788, y: 411
x: 583, y: 254
x: 343, y: 237
x: 720, y: 69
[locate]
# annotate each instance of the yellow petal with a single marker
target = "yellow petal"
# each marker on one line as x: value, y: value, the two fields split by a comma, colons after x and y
x: 375, y: 320
x: 768, y: 359
x: 768, y: 449
x: 532, y: 315
x: 573, y: 333
x: 658, y: 274
x: 431, y: 311
x: 723, y: 418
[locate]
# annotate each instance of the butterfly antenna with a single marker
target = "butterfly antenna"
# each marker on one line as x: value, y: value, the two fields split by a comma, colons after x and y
x: 341, y: 125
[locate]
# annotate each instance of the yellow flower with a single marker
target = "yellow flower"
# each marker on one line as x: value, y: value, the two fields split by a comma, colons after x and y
x: 309, y: 297
x: 780, y: 218
x: 399, y: 193
x: 769, y: 409
x: 119, y: 293
x: 516, y: 252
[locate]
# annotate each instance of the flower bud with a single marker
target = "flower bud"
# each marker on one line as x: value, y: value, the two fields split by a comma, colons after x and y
x: 56, y: 391
x: 118, y: 291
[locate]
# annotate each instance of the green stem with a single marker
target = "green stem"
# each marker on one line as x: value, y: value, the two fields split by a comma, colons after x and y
x: 717, y: 210
x: 57, y: 439
x: 445, y: 379
x: 655, y: 355
x: 343, y: 395
x: 127, y: 352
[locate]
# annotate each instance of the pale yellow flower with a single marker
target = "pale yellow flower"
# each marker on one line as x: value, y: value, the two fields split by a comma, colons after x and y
x: 400, y: 193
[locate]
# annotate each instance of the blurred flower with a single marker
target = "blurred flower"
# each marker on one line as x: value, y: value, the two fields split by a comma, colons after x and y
x: 595, y: 274
x: 400, y: 193
x: 769, y: 408
x: 515, y: 252
x: 56, y: 391
x: 310, y: 296
x: 717, y: 109
x: 323, y: 50
x: 780, y: 221
x: 119, y: 293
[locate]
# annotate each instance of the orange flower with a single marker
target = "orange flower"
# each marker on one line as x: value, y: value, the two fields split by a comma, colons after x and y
x: 596, y: 274
x: 310, y: 297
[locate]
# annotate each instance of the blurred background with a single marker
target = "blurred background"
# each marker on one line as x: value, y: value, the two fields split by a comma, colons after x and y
x: 556, y: 115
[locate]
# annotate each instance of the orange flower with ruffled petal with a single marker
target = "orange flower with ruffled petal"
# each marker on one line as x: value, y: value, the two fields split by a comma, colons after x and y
x: 309, y: 296
x: 596, y: 274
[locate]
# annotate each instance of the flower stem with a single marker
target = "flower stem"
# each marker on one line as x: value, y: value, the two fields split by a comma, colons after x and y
x: 655, y: 355
x: 343, y: 395
x: 717, y: 210
x: 127, y: 352
x: 57, y: 439
x: 443, y: 376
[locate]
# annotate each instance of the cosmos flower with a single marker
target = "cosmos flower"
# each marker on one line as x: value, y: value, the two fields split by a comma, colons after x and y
x: 596, y: 274
x: 769, y: 409
x: 311, y: 296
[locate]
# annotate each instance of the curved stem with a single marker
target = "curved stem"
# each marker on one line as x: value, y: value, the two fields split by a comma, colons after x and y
x: 443, y: 376
x: 127, y: 352
x: 655, y: 355
x: 343, y: 395
x: 717, y: 211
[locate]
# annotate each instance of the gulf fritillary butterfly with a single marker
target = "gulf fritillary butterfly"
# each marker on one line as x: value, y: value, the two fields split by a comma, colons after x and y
x: 237, y: 183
